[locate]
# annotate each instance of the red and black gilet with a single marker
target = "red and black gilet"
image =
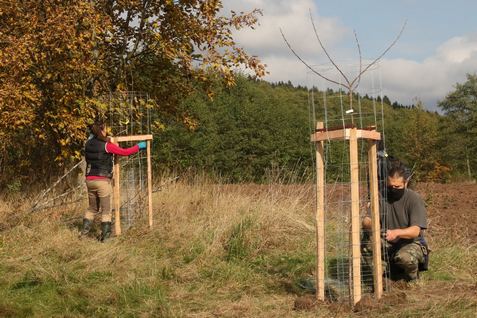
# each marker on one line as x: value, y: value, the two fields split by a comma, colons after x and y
x: 98, y: 161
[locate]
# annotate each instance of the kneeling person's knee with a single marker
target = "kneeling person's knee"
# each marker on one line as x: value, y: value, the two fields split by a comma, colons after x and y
x: 408, y: 257
x: 406, y: 261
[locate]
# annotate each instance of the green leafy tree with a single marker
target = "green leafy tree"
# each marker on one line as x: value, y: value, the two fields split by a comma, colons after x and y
x: 460, y: 107
x: 421, y: 139
x: 243, y: 133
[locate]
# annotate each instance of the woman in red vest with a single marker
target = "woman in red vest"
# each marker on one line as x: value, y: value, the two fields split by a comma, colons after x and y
x: 99, y: 171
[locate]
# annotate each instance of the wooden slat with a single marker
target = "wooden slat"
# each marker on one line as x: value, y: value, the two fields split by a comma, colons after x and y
x: 117, y: 198
x: 132, y: 138
x: 376, y: 238
x: 344, y: 134
x: 320, y: 220
x: 369, y: 134
x: 116, y: 173
x: 355, y: 223
x: 330, y: 135
x: 149, y: 182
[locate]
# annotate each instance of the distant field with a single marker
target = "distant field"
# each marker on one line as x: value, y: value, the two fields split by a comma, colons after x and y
x: 218, y: 251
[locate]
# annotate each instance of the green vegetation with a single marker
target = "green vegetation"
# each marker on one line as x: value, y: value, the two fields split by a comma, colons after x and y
x: 212, y: 247
x: 242, y: 134
x: 255, y: 129
x: 444, y: 260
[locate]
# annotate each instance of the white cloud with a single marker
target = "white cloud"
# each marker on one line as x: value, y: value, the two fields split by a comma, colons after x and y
x: 431, y: 79
x: 293, y: 18
x: 458, y: 49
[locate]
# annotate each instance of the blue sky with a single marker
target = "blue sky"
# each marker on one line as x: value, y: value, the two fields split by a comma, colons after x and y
x: 437, y: 49
x: 430, y: 23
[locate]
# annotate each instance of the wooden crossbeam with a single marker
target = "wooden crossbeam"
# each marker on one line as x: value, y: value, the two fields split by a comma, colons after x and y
x: 131, y: 138
x: 344, y: 134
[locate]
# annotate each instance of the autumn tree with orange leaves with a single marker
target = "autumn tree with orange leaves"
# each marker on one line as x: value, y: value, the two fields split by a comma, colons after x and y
x: 58, y: 57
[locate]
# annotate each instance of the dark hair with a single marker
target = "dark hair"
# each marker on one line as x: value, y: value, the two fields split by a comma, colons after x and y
x: 97, y: 127
x: 398, y: 169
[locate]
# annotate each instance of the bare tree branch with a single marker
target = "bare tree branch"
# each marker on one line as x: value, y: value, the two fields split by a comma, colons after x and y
x: 55, y: 184
x: 307, y: 65
x: 356, y: 81
x: 326, y: 52
x: 360, y: 60
x: 382, y: 54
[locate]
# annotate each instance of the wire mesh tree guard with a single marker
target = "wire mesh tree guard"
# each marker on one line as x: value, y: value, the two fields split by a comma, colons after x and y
x: 347, y: 187
x: 129, y: 116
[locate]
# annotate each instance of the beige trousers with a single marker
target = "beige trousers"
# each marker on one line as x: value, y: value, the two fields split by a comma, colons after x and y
x: 99, y: 197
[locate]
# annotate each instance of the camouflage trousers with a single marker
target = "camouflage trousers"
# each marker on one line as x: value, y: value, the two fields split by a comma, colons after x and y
x: 405, y: 259
x: 402, y: 261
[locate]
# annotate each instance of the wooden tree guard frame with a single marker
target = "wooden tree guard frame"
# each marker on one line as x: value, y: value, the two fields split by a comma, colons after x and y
x: 352, y: 134
x: 116, y: 178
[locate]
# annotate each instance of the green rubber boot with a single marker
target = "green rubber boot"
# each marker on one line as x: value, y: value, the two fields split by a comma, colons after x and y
x: 86, y: 227
x: 105, y: 231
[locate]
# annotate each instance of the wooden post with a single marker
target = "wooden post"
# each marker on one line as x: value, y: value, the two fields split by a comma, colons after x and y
x: 320, y: 219
x: 116, y: 192
x: 149, y: 182
x: 355, y: 223
x: 375, y: 222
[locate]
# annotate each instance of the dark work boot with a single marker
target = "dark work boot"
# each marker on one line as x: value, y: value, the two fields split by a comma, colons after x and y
x: 105, y: 231
x: 86, y: 227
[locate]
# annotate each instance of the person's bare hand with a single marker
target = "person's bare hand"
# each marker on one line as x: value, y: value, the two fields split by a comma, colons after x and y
x: 392, y: 235
x: 366, y: 223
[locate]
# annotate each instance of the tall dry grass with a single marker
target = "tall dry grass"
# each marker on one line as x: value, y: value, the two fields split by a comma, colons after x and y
x: 215, y: 250
x: 212, y: 245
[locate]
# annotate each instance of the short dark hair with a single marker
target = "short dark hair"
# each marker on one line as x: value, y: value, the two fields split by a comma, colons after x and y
x: 398, y: 169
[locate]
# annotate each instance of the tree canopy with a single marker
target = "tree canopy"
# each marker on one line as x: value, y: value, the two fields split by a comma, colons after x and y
x: 59, y: 57
x: 460, y: 126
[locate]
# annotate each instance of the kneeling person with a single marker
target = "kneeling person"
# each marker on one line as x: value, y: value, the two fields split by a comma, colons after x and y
x: 403, y: 217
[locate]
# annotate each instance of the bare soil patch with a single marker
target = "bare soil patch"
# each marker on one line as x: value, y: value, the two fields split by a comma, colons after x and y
x: 452, y: 210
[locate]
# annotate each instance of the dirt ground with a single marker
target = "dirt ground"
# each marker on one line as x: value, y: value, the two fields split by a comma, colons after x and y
x: 452, y: 210
x: 422, y: 299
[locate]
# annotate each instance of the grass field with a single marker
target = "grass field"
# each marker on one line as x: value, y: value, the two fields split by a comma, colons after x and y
x: 215, y: 251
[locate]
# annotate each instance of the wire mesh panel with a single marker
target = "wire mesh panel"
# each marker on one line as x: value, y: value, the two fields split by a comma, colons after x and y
x: 330, y: 103
x: 338, y: 227
x: 133, y: 185
x: 129, y: 113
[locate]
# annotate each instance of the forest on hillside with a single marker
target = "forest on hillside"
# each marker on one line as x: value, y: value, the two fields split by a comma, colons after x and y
x: 256, y: 128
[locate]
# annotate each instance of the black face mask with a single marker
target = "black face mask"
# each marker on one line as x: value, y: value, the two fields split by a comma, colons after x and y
x: 395, y: 194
